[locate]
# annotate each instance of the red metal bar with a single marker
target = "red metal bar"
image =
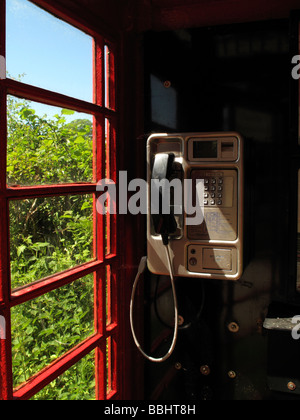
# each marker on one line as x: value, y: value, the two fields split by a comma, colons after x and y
x: 49, y: 374
x: 112, y: 371
x: 47, y: 97
x: 115, y: 362
x: 99, y: 150
x: 99, y: 309
x: 3, y: 112
x: 111, y: 328
x: 114, y: 177
x: 102, y: 372
x: 98, y: 384
x: 107, y: 148
x: 3, y: 139
x: 4, y: 293
x: 111, y: 173
x: 106, y: 76
x: 100, y: 315
x: 6, y: 380
x: 111, y: 69
x: 17, y: 193
x: 108, y: 176
x: 114, y: 296
x: 98, y: 227
x: 109, y: 317
x: 101, y: 368
x: 98, y: 70
x: 103, y: 170
x: 99, y: 145
x: 6, y: 376
x: 109, y: 367
x: 112, y: 292
x: 113, y: 332
x: 114, y: 357
x: 76, y: 16
x: 3, y: 28
x: 113, y: 396
x: 39, y: 288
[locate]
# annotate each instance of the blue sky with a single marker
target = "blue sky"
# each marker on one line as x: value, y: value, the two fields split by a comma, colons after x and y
x: 52, y: 54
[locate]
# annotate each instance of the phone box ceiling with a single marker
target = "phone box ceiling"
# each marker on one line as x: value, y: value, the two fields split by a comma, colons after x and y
x: 145, y: 15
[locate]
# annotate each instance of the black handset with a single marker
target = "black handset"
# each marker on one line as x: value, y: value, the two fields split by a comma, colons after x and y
x: 163, y: 224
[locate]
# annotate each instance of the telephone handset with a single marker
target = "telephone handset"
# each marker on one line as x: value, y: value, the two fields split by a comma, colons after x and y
x: 164, y: 223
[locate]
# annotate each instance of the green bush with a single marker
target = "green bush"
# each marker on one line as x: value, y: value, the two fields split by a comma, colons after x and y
x: 47, y: 236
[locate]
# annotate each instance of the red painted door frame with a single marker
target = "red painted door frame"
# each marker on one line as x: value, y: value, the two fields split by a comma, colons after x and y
x: 110, y: 333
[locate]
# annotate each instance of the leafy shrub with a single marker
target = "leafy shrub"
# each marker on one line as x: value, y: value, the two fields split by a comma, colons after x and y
x: 50, y: 235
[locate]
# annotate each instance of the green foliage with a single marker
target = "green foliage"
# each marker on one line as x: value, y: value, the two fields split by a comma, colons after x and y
x: 47, y: 236
x: 47, y: 151
x: 48, y: 327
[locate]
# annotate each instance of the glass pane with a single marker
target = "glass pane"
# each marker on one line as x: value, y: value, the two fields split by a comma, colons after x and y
x: 77, y: 383
x: 49, y: 235
x: 48, y: 52
x: 48, y: 145
x: 48, y: 327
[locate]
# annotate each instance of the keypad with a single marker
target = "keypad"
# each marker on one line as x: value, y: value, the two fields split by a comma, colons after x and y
x: 213, y: 191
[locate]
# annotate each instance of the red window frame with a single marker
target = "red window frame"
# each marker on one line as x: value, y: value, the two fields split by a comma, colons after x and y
x: 105, y: 341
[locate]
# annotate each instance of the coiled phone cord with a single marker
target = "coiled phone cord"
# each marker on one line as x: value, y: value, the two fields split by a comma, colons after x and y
x: 142, y: 268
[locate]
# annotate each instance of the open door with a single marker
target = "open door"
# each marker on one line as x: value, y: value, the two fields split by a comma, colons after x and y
x: 60, y: 334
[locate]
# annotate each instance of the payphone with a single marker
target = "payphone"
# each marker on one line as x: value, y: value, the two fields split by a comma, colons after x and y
x: 195, y: 211
x: 207, y: 171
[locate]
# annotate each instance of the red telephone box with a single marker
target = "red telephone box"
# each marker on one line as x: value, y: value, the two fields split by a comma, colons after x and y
x: 67, y: 271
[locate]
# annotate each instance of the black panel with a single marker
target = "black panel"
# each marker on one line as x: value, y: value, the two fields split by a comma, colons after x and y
x: 233, y: 78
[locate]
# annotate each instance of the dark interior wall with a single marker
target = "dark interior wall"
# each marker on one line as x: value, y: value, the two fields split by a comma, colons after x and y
x: 231, y: 78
